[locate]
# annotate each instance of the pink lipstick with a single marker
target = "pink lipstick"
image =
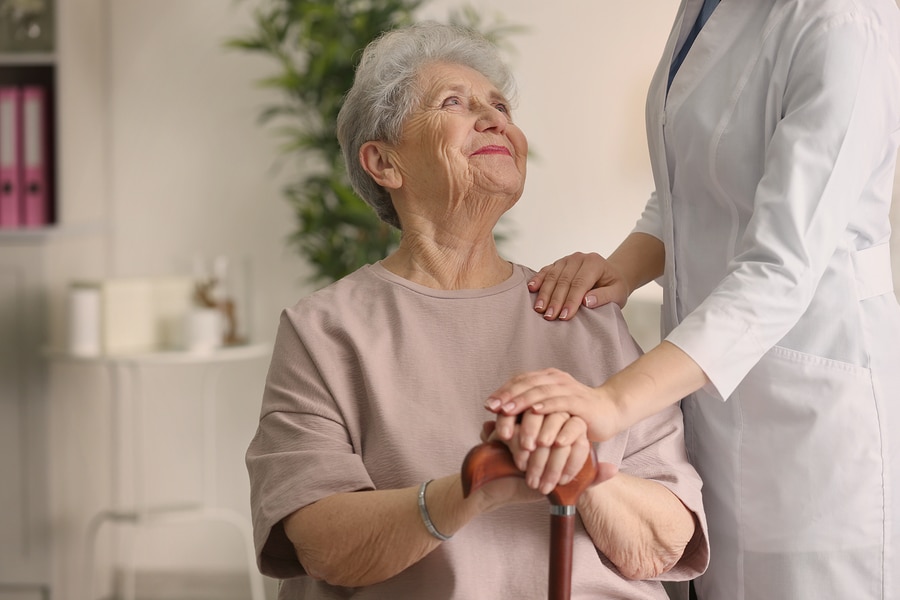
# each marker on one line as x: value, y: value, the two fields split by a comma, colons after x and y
x: 492, y: 149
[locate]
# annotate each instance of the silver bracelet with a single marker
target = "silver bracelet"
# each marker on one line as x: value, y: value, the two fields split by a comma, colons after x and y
x: 426, y: 518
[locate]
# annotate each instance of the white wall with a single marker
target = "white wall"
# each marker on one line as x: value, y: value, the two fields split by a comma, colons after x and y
x: 190, y: 171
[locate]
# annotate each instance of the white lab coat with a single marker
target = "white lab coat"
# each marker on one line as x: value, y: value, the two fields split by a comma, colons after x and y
x: 773, y: 155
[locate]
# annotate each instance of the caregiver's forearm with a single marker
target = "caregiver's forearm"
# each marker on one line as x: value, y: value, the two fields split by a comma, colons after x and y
x: 640, y: 259
x: 656, y: 380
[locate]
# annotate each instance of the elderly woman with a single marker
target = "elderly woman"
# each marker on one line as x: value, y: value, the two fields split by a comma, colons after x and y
x: 376, y: 389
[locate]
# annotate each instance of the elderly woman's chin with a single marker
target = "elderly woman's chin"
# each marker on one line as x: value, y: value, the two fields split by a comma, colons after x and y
x: 501, y: 185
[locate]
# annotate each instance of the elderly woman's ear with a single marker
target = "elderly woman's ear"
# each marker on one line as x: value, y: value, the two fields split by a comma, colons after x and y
x: 378, y: 162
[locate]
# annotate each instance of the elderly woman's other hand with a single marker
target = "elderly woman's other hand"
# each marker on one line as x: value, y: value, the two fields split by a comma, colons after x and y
x: 545, y: 461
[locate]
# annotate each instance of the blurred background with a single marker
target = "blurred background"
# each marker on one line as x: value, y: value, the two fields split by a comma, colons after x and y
x: 161, y: 170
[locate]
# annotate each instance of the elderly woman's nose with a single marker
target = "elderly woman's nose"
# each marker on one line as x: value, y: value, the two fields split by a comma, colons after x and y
x: 490, y: 117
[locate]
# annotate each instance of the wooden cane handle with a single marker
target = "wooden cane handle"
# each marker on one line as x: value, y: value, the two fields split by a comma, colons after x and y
x: 567, y: 495
x: 493, y: 460
x: 485, y: 463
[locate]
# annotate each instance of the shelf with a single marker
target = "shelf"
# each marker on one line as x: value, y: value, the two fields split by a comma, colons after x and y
x: 39, y: 236
x: 26, y: 237
x: 27, y: 59
x: 170, y: 357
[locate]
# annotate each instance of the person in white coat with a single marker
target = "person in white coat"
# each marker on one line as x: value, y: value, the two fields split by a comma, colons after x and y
x: 773, y: 146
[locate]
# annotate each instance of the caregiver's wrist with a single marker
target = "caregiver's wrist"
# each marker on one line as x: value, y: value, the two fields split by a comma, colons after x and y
x: 613, y: 408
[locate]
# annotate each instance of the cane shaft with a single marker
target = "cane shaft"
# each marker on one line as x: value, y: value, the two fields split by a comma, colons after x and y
x: 492, y: 460
x: 562, y: 532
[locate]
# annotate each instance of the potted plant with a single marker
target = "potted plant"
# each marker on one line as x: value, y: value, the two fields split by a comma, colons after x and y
x: 314, y: 45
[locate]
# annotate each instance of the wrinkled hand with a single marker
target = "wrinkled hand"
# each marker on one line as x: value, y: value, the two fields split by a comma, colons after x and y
x: 545, y: 463
x: 544, y: 393
x: 577, y: 279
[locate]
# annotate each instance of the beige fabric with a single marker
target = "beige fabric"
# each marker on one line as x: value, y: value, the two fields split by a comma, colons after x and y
x: 378, y: 383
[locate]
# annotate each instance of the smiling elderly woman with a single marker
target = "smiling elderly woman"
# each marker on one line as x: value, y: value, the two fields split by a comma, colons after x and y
x: 377, y: 382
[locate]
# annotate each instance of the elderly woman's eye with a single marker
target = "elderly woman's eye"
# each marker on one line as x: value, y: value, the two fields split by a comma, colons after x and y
x: 502, y: 108
x: 452, y: 101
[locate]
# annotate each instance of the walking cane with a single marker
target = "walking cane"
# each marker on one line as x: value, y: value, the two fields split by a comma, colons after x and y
x: 493, y: 460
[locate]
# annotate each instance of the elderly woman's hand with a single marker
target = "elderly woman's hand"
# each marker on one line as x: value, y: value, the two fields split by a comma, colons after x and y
x: 532, y: 441
x: 577, y: 279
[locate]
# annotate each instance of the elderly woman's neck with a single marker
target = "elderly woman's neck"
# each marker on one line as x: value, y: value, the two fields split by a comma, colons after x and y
x: 449, y: 264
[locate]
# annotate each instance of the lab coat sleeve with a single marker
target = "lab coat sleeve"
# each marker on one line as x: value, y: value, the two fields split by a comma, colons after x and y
x: 839, y: 103
x: 651, y: 219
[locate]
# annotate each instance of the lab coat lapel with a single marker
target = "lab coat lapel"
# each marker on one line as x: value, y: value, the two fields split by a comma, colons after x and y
x: 713, y: 41
x: 655, y: 120
x: 656, y: 97
x: 684, y: 21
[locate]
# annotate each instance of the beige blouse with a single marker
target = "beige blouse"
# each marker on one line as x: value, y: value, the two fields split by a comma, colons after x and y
x: 379, y: 383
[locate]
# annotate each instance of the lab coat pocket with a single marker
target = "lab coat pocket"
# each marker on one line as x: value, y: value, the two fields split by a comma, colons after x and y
x: 811, y: 465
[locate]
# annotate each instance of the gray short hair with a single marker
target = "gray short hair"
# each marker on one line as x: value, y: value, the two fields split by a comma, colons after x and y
x: 384, y: 93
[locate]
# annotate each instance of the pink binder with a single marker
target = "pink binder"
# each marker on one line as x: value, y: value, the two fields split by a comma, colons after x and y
x: 35, y: 189
x: 10, y: 155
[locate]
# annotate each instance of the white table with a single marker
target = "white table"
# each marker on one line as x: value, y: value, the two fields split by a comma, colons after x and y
x: 125, y: 374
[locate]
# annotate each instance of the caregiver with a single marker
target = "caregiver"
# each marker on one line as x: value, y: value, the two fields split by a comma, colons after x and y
x: 773, y: 147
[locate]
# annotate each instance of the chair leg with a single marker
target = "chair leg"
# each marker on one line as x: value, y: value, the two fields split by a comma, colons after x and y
x: 129, y: 581
x: 257, y: 590
x: 90, y: 549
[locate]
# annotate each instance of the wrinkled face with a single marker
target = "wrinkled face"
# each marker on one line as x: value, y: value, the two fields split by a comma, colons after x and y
x: 460, y: 144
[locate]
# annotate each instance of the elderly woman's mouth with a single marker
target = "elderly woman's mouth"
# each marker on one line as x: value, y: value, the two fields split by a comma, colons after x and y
x: 493, y: 150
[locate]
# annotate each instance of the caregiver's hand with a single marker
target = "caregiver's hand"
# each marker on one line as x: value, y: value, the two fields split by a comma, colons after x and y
x: 553, y: 391
x: 574, y: 280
